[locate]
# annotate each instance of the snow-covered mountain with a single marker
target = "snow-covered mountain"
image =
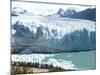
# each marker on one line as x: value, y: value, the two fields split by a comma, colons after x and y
x: 50, y: 35
x: 66, y: 13
x: 17, y: 11
x: 89, y: 14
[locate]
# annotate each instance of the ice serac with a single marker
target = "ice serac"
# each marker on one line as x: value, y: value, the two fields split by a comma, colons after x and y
x: 51, y: 35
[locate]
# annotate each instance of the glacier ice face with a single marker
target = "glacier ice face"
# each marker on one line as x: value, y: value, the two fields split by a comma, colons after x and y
x: 51, y: 35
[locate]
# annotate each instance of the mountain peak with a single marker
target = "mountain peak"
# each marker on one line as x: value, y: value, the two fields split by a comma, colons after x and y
x: 17, y: 11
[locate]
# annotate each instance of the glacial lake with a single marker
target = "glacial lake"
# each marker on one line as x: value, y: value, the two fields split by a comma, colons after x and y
x: 74, y: 60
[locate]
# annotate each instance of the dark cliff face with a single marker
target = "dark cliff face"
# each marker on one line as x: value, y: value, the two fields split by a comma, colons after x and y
x: 89, y: 14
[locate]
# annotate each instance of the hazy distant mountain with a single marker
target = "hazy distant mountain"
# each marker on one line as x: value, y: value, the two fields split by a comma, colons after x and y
x: 13, y: 14
x: 18, y: 11
x: 61, y: 12
x: 89, y: 14
x: 67, y: 13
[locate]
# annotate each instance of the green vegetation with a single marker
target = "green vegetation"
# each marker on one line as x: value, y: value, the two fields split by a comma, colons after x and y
x: 26, y: 68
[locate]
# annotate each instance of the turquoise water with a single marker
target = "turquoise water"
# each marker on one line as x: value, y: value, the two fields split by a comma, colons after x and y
x: 75, y: 60
x: 83, y: 60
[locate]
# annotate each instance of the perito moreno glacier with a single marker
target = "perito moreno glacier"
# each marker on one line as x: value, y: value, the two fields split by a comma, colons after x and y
x: 38, y: 34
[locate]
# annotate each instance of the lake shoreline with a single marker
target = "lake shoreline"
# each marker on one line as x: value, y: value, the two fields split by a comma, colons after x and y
x: 57, y: 52
x: 28, y: 68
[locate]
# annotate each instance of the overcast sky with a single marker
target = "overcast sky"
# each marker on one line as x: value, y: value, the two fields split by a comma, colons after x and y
x: 90, y: 2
